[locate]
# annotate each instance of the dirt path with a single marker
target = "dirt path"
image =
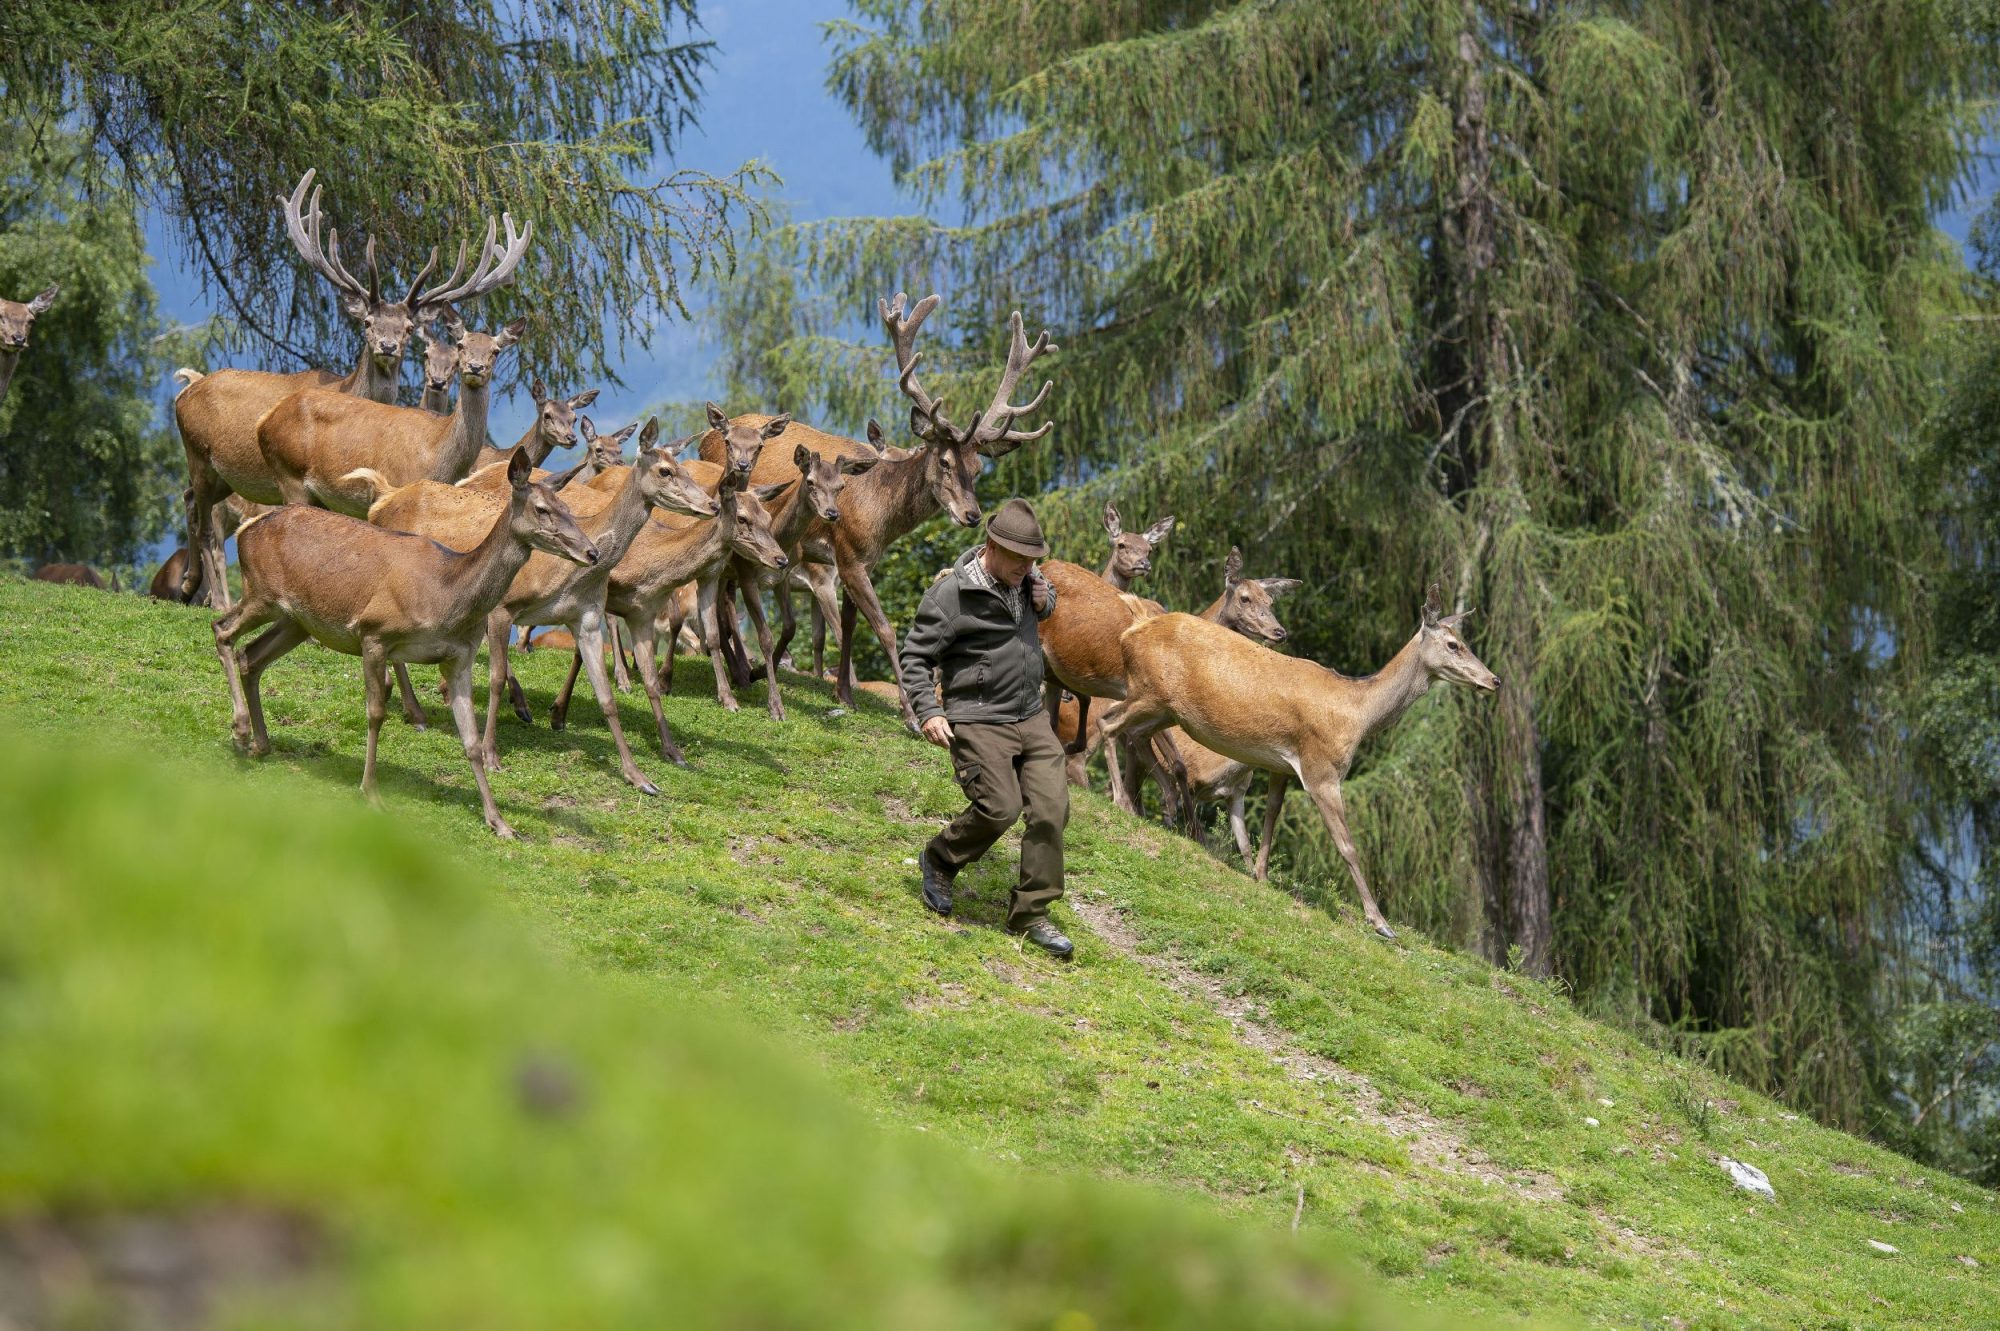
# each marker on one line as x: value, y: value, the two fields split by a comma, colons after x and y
x: 1432, y: 1143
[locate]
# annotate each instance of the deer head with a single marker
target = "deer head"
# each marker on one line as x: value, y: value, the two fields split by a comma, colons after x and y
x: 1246, y: 602
x: 1132, y: 552
x: 824, y: 478
x: 386, y: 321
x: 477, y: 352
x: 752, y: 537
x: 605, y: 451
x: 440, y: 362
x: 953, y: 455
x: 16, y: 317
x: 538, y: 518
x: 743, y: 442
x: 666, y: 484
x: 1444, y: 654
x: 555, y: 418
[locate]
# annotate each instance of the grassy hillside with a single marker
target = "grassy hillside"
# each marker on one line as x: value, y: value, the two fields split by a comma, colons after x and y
x: 1216, y: 1037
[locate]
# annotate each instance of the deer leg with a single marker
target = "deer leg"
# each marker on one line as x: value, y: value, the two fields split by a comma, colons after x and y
x: 374, y: 679
x: 498, y: 626
x: 754, y: 603
x: 843, y: 674
x: 459, y: 683
x: 281, y: 638
x: 1333, y: 809
x: 825, y: 612
x: 861, y: 593
x: 619, y: 673
x: 1082, y: 740
x: 734, y: 649
x: 227, y: 629
x: 1237, y: 827
x: 676, y: 620
x: 649, y: 675
x: 1274, y: 801
x: 788, y: 618
x: 413, y: 711
x: 711, y: 625
x: 559, y: 714
x: 588, y: 630
x: 1128, y: 793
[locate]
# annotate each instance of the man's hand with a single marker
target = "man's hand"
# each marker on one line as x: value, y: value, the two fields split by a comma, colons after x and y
x: 1038, y: 590
x: 938, y: 731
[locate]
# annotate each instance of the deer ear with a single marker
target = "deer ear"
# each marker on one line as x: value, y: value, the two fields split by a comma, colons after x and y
x: 802, y: 458
x: 1232, y: 568
x: 1158, y: 531
x: 582, y: 400
x: 1111, y: 522
x: 621, y: 436
x: 854, y: 466
x: 519, y: 468
x: 1453, y: 621
x: 1433, y: 607
x: 40, y: 304
x: 875, y: 435
x: 776, y: 426
x: 587, y: 428
x: 510, y: 335
x: 454, y: 326
x: 716, y: 420
x: 355, y: 307
x: 1279, y: 586
x: 649, y: 435
x: 764, y: 494
x: 538, y: 390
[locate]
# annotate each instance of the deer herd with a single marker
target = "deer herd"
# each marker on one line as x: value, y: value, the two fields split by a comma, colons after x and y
x: 400, y: 535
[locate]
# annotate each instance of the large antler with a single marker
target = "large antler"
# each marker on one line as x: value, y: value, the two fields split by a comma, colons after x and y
x: 302, y: 223
x: 927, y: 418
x: 992, y: 430
x: 497, y: 263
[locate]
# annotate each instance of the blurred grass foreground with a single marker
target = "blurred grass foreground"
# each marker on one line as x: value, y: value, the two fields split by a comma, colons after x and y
x: 275, y: 1063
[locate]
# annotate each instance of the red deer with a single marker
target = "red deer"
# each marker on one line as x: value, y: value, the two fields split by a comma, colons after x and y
x: 16, y: 318
x: 387, y: 597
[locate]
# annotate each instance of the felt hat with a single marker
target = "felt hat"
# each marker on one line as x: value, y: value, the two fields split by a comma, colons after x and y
x: 1014, y: 528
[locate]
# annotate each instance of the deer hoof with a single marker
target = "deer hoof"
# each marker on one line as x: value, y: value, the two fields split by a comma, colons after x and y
x: 501, y: 830
x: 558, y: 719
x: 1382, y: 928
x: 674, y: 756
x: 645, y: 787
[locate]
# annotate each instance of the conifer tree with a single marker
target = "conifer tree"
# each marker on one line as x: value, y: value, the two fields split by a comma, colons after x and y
x: 1612, y: 318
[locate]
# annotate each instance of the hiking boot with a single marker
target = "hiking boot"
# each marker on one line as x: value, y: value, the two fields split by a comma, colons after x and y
x: 1044, y: 935
x: 937, y: 883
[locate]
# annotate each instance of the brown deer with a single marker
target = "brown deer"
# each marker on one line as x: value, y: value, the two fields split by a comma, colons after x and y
x: 548, y: 590
x: 908, y: 486
x: 69, y: 575
x: 440, y: 362
x: 16, y: 318
x: 1131, y: 552
x: 1281, y: 715
x: 1080, y: 642
x: 218, y: 414
x: 318, y: 442
x: 386, y: 597
x: 668, y: 553
x: 815, y: 500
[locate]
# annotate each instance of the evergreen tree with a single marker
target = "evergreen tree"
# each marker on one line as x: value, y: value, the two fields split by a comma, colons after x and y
x: 423, y: 120
x: 1616, y: 319
x: 88, y: 473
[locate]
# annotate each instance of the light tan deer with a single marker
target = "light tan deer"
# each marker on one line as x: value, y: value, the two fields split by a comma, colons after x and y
x: 1280, y: 715
x: 1080, y: 643
x: 16, y: 318
x: 669, y: 552
x: 440, y: 362
x: 1131, y: 552
x: 386, y: 597
x: 909, y: 486
x: 218, y: 414
x: 317, y: 441
x: 548, y: 590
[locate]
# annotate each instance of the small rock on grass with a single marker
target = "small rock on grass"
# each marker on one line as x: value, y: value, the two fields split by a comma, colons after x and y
x: 1747, y: 1177
x: 1963, y: 1260
x: 1880, y: 1246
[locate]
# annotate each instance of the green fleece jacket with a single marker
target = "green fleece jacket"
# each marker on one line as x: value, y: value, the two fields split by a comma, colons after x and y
x: 990, y: 659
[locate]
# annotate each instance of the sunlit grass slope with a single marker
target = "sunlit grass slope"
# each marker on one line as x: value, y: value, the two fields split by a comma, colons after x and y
x: 1216, y: 1037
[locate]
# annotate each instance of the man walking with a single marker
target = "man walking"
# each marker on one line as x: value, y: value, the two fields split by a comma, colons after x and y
x: 977, y: 628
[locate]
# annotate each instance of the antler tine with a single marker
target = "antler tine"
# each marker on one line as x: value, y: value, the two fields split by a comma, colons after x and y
x: 348, y: 281
x: 497, y: 262
x: 374, y: 272
x: 430, y: 265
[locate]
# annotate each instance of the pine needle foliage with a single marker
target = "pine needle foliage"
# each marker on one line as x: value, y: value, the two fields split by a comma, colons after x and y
x: 423, y: 119
x: 1616, y: 319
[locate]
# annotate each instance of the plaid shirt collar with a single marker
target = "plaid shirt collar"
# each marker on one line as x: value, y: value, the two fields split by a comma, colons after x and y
x: 977, y: 574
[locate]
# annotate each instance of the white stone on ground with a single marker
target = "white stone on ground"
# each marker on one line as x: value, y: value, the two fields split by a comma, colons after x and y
x: 1747, y: 1177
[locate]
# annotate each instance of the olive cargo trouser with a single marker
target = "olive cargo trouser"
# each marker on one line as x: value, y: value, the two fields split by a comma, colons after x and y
x: 1005, y: 769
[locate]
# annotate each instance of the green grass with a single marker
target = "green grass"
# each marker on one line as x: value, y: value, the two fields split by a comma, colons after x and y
x: 771, y: 880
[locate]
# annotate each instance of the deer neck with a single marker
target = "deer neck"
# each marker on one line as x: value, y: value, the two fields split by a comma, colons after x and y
x: 365, y: 380
x: 614, y: 527
x: 789, y: 524
x: 8, y: 360
x: 896, y: 499
x: 1119, y: 582
x: 474, y: 585
x: 1388, y: 693
x: 465, y: 435
x: 538, y: 445
x: 436, y: 400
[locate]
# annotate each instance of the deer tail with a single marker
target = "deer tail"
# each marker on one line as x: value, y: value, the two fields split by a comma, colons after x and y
x: 187, y: 377
x: 378, y: 485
